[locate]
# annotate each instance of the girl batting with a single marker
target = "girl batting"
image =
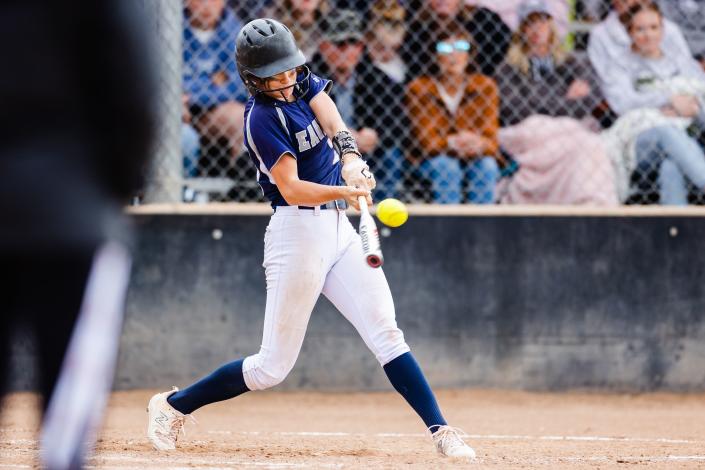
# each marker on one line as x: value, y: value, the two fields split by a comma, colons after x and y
x: 302, y: 150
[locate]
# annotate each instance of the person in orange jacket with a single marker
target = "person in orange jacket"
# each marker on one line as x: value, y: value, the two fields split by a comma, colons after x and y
x: 455, y: 119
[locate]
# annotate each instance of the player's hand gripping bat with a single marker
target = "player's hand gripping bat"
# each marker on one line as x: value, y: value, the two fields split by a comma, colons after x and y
x: 369, y: 235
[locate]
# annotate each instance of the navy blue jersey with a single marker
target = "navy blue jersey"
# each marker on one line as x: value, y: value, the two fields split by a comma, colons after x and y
x: 274, y: 128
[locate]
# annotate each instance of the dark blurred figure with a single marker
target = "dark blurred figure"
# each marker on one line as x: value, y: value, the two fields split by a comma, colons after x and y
x: 76, y: 125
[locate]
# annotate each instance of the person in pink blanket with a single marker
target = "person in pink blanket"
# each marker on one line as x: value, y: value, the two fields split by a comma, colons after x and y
x: 547, y: 96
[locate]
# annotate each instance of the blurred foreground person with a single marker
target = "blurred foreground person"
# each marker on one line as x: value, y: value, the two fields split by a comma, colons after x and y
x: 76, y: 131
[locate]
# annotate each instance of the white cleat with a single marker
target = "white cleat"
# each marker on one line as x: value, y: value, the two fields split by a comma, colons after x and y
x: 165, y: 422
x: 449, y: 443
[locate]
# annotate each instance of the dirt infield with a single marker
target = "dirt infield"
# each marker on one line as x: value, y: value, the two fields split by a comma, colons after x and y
x: 377, y: 430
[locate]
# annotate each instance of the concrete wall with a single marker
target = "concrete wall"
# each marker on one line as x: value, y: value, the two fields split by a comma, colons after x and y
x: 553, y: 302
x: 494, y: 301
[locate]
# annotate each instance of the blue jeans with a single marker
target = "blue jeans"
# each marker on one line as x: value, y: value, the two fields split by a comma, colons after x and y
x: 447, y: 173
x: 190, y: 149
x: 387, y: 167
x: 676, y: 156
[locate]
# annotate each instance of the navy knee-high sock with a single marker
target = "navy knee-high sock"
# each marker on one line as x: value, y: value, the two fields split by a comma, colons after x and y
x: 225, y: 382
x: 407, y: 378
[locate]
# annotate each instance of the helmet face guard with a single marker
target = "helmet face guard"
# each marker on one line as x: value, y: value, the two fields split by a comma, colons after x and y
x: 301, y: 86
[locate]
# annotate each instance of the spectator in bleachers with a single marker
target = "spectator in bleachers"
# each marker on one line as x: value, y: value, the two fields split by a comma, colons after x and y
x: 455, y: 117
x: 509, y: 11
x: 659, y: 93
x: 369, y: 102
x: 539, y: 77
x: 434, y: 17
x: 609, y: 41
x: 385, y: 36
x: 303, y: 18
x: 215, y: 93
x: 689, y: 15
x: 544, y: 91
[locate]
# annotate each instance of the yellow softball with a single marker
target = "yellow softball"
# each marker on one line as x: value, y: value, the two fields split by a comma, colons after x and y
x: 392, y: 212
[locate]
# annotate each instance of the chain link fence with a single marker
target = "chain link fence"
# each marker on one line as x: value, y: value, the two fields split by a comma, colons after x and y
x: 506, y: 101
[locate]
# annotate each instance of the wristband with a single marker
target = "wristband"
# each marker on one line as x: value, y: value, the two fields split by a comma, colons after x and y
x: 344, y: 142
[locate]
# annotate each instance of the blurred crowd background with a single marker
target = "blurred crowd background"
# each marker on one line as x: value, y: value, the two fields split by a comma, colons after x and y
x: 591, y: 102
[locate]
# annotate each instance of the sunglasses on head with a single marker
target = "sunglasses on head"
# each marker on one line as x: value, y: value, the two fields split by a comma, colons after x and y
x: 446, y: 47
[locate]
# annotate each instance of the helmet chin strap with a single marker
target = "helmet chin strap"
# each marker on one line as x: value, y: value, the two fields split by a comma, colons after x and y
x: 284, y: 96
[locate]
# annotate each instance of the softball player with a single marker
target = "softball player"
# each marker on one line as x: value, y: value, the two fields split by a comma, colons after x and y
x: 301, y: 148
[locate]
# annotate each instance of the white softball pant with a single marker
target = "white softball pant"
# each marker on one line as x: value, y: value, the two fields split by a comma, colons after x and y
x: 307, y: 252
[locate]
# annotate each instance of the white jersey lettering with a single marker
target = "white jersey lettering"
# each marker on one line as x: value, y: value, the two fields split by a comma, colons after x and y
x: 312, y: 135
x: 319, y: 132
x: 303, y: 141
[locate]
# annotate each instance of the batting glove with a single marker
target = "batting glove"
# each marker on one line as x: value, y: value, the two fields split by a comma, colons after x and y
x: 355, y: 172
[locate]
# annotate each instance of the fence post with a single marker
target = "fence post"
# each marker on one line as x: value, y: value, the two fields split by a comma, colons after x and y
x: 164, y: 181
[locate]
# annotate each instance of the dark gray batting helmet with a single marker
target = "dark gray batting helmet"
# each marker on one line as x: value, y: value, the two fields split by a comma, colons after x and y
x: 265, y: 47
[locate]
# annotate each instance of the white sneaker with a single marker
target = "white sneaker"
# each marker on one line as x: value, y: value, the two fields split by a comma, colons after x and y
x: 449, y: 443
x: 165, y: 422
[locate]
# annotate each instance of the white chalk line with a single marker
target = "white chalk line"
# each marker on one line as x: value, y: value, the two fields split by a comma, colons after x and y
x: 169, y: 467
x: 19, y: 441
x: 183, y: 462
x: 175, y: 463
x: 189, y: 460
x: 512, y: 437
x: 204, y: 460
x: 520, y: 437
x: 650, y: 459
